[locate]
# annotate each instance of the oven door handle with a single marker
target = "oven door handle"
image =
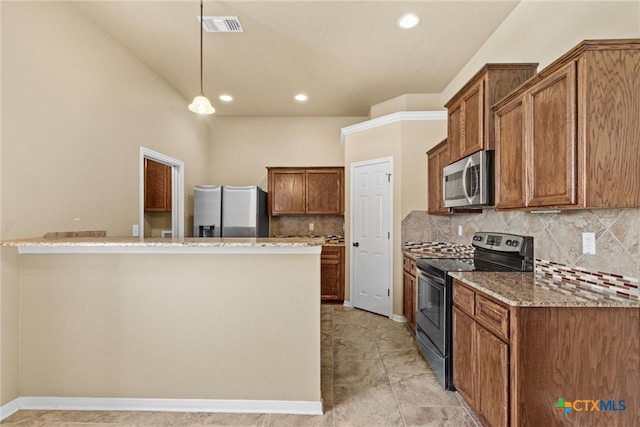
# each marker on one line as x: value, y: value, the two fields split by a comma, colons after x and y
x: 430, y: 276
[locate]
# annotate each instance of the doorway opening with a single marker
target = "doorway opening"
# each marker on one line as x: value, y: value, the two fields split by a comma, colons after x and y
x: 177, y: 191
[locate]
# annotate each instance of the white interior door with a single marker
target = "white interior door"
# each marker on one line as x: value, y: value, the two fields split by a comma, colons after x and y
x: 371, y: 235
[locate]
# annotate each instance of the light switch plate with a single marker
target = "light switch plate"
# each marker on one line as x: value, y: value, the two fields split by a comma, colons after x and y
x: 589, y: 243
x: 135, y: 231
x: 459, y: 230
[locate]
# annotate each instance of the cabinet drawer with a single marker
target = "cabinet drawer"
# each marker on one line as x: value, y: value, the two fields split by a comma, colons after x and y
x: 409, y: 265
x: 494, y: 316
x: 464, y: 298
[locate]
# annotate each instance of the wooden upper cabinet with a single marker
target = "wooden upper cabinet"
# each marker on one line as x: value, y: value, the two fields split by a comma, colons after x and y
x: 510, y: 162
x: 438, y: 158
x: 306, y: 191
x: 470, y: 119
x: 325, y: 193
x: 571, y: 132
x: 473, y: 125
x: 157, y: 186
x: 287, y: 193
x: 454, y: 133
x: 550, y: 107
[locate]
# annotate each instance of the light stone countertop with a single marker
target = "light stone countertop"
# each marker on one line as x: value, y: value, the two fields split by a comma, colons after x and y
x: 535, y: 290
x: 166, y: 245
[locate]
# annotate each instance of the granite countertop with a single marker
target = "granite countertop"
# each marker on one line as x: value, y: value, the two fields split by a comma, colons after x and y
x: 165, y: 242
x: 330, y: 240
x: 535, y: 290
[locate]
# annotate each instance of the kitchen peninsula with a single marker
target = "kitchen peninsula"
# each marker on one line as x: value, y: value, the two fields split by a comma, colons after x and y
x: 220, y: 325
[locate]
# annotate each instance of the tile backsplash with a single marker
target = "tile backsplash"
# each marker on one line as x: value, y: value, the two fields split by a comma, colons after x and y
x: 298, y: 225
x: 557, y: 236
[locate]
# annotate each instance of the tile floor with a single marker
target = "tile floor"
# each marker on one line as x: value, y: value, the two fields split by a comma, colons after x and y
x: 372, y: 375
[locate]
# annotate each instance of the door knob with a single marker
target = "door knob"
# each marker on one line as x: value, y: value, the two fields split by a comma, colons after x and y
x: 356, y: 244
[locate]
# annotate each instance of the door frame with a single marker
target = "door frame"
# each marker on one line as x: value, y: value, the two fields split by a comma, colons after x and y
x: 352, y: 167
x: 177, y: 190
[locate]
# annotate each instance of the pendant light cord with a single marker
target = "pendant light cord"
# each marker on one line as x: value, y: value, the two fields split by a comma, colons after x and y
x: 201, y: 22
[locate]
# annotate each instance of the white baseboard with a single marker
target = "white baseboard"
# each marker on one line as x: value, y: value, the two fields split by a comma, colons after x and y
x: 398, y: 318
x: 311, y: 407
x: 395, y: 317
x: 9, y: 408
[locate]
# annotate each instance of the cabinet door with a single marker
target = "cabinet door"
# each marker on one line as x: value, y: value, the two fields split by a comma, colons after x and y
x: 438, y: 158
x: 492, y: 364
x: 325, y: 191
x: 454, y: 132
x: 473, y: 119
x: 464, y: 354
x: 551, y: 140
x: 332, y: 273
x: 510, y: 173
x: 157, y: 186
x: 409, y: 303
x: 287, y: 192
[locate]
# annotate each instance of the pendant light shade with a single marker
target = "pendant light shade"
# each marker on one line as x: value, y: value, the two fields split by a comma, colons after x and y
x: 200, y: 103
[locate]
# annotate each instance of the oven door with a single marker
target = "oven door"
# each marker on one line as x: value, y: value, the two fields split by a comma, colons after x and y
x: 433, y: 309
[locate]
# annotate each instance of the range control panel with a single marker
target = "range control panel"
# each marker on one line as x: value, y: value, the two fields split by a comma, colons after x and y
x: 503, y: 242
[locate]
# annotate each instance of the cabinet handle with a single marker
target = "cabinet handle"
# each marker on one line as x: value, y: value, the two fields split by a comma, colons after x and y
x: 356, y: 244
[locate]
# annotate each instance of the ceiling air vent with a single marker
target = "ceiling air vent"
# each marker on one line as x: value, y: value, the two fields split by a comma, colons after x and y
x: 221, y: 24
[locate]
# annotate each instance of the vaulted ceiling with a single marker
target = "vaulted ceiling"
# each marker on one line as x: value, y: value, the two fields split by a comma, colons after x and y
x: 345, y: 55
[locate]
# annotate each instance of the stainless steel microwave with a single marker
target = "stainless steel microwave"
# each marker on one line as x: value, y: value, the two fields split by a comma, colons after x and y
x: 468, y: 183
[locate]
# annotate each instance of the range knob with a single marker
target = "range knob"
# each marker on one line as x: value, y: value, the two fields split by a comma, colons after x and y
x: 477, y: 238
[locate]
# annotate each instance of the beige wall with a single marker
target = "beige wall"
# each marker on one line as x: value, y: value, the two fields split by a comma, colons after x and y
x: 541, y: 31
x: 171, y: 326
x: 9, y: 310
x: 407, y: 143
x: 76, y: 107
x: 241, y: 147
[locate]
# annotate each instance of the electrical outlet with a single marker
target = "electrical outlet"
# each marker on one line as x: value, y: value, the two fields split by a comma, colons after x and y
x: 459, y: 230
x: 311, y: 226
x: 589, y: 243
x: 135, y: 230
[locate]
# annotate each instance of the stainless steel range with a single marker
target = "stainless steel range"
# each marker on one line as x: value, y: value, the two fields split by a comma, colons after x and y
x: 493, y: 252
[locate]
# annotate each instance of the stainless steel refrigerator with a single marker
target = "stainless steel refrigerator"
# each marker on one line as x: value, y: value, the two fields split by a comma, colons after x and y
x: 230, y: 211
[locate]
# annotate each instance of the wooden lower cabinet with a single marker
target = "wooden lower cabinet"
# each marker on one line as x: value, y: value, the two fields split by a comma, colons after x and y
x: 492, y: 366
x: 480, y: 372
x: 464, y: 350
x: 332, y: 273
x: 409, y: 291
x: 511, y: 364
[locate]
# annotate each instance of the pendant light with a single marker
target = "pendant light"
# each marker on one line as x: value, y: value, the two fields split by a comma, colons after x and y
x: 201, y: 104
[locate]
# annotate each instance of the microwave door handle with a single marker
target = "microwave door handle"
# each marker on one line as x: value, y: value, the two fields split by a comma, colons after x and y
x: 464, y: 179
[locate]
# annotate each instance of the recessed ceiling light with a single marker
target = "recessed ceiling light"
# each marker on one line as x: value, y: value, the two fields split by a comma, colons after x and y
x: 409, y: 20
x: 226, y: 98
x: 301, y: 97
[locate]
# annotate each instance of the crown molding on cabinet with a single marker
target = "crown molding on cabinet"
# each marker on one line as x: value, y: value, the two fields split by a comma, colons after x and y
x: 400, y: 116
